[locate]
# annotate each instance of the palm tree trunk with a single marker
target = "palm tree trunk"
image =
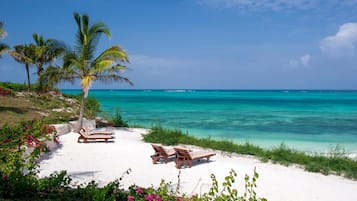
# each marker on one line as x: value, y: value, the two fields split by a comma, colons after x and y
x: 28, y: 77
x: 81, y: 114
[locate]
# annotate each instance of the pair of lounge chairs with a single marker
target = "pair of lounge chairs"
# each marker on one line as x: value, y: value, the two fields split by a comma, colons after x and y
x: 85, y: 134
x: 183, y: 156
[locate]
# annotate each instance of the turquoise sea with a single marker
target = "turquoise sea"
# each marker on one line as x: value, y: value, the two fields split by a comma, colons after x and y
x: 314, y: 121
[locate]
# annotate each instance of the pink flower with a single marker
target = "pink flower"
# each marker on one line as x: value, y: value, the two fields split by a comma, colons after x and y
x: 178, y: 199
x: 139, y: 190
x: 27, y: 127
x: 130, y: 198
x: 6, y: 141
x: 149, y: 197
x: 158, y: 198
x: 56, y: 139
x: 5, y: 177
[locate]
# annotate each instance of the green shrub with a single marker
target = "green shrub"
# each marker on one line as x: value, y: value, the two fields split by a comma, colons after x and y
x: 164, y: 136
x: 92, y: 104
x: 117, y: 120
x: 17, y: 86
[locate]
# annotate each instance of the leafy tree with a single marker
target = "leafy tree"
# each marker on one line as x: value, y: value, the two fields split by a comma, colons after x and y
x: 3, y: 46
x: 24, y: 54
x: 46, y: 51
x: 82, y: 63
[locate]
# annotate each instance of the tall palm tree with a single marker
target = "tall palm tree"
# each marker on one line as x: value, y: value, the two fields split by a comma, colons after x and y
x: 24, y: 54
x: 82, y: 63
x: 46, y: 51
x: 3, y: 46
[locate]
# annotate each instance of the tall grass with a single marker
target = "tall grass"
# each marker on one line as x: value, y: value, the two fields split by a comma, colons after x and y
x: 337, y: 162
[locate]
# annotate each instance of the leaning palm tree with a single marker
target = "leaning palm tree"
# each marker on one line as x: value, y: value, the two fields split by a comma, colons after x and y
x: 24, y: 54
x: 82, y: 63
x: 3, y: 46
x: 46, y: 51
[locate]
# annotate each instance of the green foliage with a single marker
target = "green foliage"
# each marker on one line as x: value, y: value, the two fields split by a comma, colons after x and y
x: 17, y: 86
x: 336, y: 162
x: 56, y: 187
x: 228, y: 192
x: 18, y: 170
x: 163, y: 192
x: 92, y: 105
x: 164, y: 136
x: 216, y: 193
x: 117, y: 120
x: 14, y: 141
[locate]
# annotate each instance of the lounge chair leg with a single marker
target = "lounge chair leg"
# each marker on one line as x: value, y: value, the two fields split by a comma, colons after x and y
x: 155, y: 158
x: 189, y: 163
x: 179, y: 163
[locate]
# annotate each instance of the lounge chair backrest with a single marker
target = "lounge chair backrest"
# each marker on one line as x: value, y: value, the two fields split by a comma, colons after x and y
x: 155, y: 147
x: 160, y: 149
x: 183, y: 152
x: 83, y: 132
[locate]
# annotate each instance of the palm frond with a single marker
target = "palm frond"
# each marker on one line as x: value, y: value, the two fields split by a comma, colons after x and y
x: 115, y: 53
x: 108, y: 78
x: 3, y: 48
x: 2, y: 31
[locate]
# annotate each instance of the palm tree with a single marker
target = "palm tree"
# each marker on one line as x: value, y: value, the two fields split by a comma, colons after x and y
x: 46, y: 51
x: 3, y: 46
x: 24, y: 54
x: 83, y: 65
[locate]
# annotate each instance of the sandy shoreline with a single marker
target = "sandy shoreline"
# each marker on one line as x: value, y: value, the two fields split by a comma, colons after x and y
x: 105, y: 162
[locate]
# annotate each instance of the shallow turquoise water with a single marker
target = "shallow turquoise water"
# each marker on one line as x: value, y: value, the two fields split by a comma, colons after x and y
x: 307, y: 120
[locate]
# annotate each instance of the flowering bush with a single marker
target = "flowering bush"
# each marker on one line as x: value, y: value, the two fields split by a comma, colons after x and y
x: 22, y: 144
x: 5, y: 92
x: 162, y: 193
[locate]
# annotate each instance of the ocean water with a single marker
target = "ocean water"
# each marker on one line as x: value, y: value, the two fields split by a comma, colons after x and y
x: 313, y: 121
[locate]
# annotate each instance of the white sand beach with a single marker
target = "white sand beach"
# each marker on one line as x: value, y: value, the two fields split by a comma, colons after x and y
x: 105, y: 162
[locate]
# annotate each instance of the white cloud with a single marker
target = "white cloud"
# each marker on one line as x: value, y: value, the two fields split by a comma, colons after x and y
x: 293, y: 63
x: 305, y: 60
x: 302, y: 61
x: 343, y: 42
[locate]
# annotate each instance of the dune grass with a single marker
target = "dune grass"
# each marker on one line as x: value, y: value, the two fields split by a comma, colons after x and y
x: 337, y: 162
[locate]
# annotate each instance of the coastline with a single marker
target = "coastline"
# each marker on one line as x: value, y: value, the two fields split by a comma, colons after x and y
x: 306, y: 120
x: 105, y: 162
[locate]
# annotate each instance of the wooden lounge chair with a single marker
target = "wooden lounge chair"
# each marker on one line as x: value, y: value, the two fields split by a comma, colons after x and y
x: 84, y: 136
x: 161, y: 153
x: 185, y: 156
x: 94, y: 132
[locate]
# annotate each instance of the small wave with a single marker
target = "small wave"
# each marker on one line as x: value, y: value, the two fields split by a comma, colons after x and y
x: 176, y: 91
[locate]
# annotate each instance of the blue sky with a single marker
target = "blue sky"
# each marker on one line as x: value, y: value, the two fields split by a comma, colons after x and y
x: 204, y: 44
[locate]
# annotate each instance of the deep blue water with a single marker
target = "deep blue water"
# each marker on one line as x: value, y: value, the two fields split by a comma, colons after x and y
x: 307, y: 120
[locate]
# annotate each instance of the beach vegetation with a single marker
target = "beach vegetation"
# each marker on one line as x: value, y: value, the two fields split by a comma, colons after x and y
x: 45, y: 52
x: 337, y: 162
x: 117, y: 120
x: 3, y: 47
x: 24, y: 54
x: 17, y: 87
x: 92, y: 105
x: 82, y: 63
x: 16, y: 106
